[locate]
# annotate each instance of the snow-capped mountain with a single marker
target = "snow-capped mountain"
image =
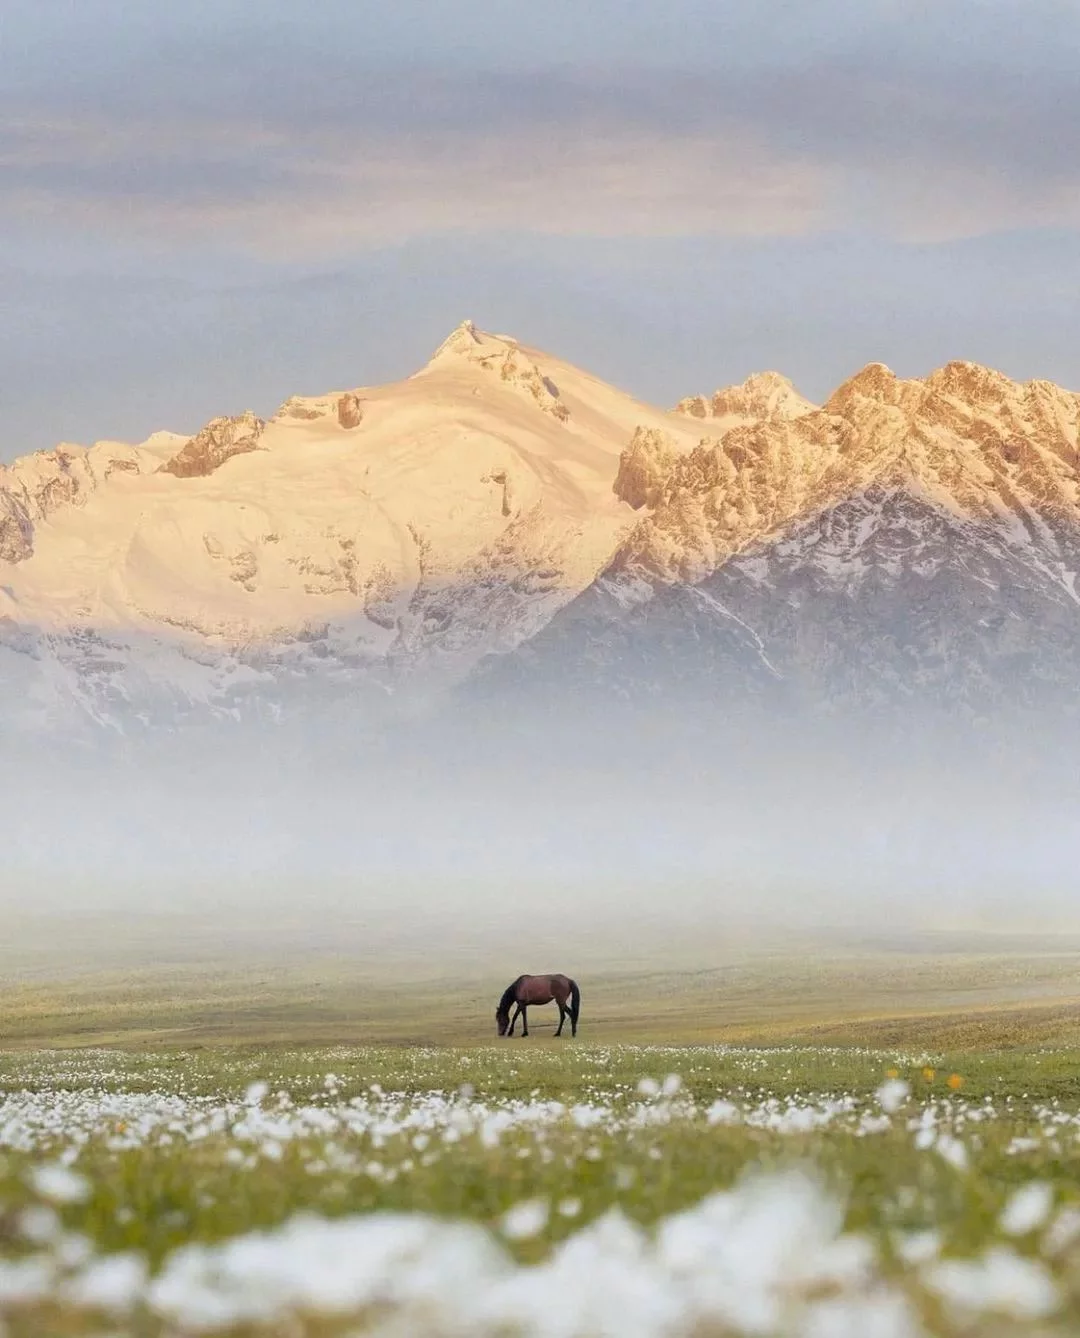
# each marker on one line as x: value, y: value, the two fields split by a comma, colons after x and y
x: 504, y: 521
x: 911, y: 547
x: 354, y: 542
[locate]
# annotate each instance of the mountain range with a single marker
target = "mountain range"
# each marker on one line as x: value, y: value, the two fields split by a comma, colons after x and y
x: 502, y: 533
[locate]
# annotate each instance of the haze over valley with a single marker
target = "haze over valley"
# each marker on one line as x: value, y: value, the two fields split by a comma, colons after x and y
x: 500, y: 624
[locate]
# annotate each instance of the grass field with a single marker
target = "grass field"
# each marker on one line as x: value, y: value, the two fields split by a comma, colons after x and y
x: 877, y: 1138
x: 155, y: 980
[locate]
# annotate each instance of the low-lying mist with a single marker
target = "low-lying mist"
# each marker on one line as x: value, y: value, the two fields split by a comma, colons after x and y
x: 636, y: 830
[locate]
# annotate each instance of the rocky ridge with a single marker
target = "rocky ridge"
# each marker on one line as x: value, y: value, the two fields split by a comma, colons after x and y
x: 967, y: 440
x: 911, y: 541
x: 762, y: 395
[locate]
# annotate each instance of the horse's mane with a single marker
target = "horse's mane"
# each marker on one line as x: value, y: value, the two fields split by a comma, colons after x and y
x: 508, y: 995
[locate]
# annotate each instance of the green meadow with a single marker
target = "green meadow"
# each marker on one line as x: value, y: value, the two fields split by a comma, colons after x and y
x: 165, y: 1087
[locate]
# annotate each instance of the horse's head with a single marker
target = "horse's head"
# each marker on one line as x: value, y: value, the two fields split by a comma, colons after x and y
x: 502, y: 1020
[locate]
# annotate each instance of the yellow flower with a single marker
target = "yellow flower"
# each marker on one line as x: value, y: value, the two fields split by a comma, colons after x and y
x: 928, y: 1074
x: 955, y: 1081
x: 892, y: 1073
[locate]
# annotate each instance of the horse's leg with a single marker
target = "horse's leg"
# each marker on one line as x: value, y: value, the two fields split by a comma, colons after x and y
x: 562, y: 1017
x: 513, y: 1021
x: 524, y: 1020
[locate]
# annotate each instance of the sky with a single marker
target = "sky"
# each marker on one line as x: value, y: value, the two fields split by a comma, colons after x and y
x: 212, y: 206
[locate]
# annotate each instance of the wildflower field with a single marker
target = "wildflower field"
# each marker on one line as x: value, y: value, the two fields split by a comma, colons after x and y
x: 540, y: 1187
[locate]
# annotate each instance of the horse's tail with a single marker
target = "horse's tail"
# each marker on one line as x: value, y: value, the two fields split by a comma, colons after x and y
x: 575, y: 1003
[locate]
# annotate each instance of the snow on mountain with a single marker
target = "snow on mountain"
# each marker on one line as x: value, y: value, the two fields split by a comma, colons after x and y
x: 390, y: 533
x: 970, y: 442
x: 505, y: 518
x: 909, y: 542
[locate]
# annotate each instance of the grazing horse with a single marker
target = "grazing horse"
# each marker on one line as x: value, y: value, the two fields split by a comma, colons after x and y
x: 538, y: 990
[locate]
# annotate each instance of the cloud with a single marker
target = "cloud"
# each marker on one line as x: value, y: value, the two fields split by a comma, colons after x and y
x: 273, y: 189
x: 274, y: 140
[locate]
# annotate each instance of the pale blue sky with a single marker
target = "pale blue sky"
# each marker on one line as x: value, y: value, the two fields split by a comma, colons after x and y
x: 209, y: 207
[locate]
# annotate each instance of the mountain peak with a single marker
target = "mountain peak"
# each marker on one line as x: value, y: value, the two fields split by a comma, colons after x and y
x: 503, y: 356
x: 971, y: 382
x: 875, y: 381
x: 761, y: 395
x: 466, y: 340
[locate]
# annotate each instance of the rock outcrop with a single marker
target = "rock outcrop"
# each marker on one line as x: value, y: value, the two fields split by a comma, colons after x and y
x: 219, y: 440
x: 16, y: 529
x: 763, y: 395
x: 645, y: 467
x: 350, y: 410
x: 505, y: 358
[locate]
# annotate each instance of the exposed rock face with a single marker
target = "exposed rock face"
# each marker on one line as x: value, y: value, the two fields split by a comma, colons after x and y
x: 694, y: 406
x: 645, y: 467
x: 912, y: 542
x: 16, y: 529
x: 350, y: 410
x: 36, y: 486
x: 503, y: 356
x: 978, y: 444
x: 516, y: 369
x: 763, y: 395
x: 305, y: 410
x: 219, y: 440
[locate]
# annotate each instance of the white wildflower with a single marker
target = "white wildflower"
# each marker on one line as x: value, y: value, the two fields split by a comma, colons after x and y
x: 59, y: 1184
x: 1000, y: 1282
x: 892, y: 1094
x: 1063, y: 1231
x: 918, y: 1247
x: 951, y: 1149
x: 1027, y: 1209
x: 39, y: 1224
x: 113, y: 1284
x: 525, y: 1220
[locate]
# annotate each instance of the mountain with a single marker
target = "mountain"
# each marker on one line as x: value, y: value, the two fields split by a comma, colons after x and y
x: 502, y: 533
x: 357, y: 541
x: 763, y: 395
x: 906, y: 555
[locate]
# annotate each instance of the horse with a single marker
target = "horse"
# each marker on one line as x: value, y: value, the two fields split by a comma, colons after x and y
x: 538, y: 990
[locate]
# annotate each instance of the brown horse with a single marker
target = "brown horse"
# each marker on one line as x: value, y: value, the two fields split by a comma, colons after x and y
x: 528, y: 990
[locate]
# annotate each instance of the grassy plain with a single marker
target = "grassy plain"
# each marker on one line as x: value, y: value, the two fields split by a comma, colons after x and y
x: 181, y: 1069
x: 158, y: 980
x: 208, y: 1145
